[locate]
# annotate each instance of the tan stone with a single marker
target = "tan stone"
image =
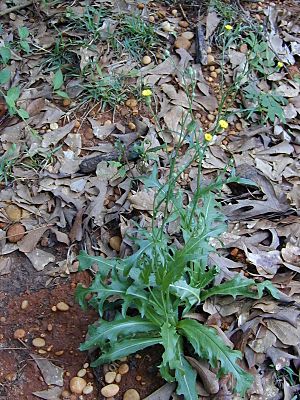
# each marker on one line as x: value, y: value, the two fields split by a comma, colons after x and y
x: 38, y: 342
x: 115, y: 243
x: 131, y: 394
x: 19, y: 334
x: 110, y: 390
x: 110, y: 377
x: 77, y: 385
x: 182, y: 43
x: 62, y: 306
x: 123, y: 369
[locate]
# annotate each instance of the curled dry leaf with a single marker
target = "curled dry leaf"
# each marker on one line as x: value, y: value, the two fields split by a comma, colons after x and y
x: 208, y: 378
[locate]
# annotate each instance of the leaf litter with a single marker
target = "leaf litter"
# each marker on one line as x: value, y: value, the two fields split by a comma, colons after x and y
x: 43, y: 178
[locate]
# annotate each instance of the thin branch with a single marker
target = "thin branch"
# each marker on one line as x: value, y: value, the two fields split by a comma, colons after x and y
x: 16, y: 8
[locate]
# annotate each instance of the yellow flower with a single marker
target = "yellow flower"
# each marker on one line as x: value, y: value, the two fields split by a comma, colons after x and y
x: 223, y: 124
x: 208, y: 137
x: 228, y: 27
x: 146, y: 93
x: 280, y: 64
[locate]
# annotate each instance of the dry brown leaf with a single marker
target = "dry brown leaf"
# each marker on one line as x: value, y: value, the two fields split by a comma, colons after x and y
x: 208, y: 378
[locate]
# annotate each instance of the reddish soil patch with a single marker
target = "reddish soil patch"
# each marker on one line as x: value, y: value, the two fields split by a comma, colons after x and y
x: 19, y: 374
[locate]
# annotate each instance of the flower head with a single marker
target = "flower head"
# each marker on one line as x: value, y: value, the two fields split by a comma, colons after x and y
x: 208, y: 137
x: 223, y: 124
x: 228, y: 27
x: 280, y: 64
x: 147, y: 93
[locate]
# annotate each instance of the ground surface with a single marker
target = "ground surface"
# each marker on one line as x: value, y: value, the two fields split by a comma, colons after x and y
x: 82, y: 90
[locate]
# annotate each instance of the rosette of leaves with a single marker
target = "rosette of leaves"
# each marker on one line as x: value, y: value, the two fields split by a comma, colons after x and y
x: 151, y: 292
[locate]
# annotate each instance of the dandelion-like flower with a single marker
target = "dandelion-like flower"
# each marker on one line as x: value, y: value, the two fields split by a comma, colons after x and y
x: 223, y: 124
x: 280, y: 64
x: 147, y: 93
x: 208, y: 137
x: 228, y: 27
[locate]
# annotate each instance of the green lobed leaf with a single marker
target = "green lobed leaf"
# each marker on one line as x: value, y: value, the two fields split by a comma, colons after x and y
x: 241, y: 286
x: 209, y: 345
x: 12, y: 94
x: 5, y: 54
x: 186, y: 377
x: 185, y: 292
x: 111, y: 330
x: 58, y: 79
x: 25, y: 46
x: 86, y: 261
x: 62, y: 94
x: 4, y: 76
x: 22, y: 113
x: 23, y: 32
x: 124, y: 348
x: 170, y: 339
x: 238, y: 286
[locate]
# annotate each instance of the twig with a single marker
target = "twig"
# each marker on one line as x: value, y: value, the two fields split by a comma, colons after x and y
x: 16, y: 8
x: 184, y: 14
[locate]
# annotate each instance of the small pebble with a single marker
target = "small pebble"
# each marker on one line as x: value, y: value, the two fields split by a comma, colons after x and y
x: 188, y: 35
x: 65, y: 394
x: 211, y: 117
x: 210, y: 59
x: 88, y: 389
x: 49, y: 327
x: 151, y: 19
x: 208, y: 50
x: 86, y: 365
x: 41, y: 351
x: 146, y: 60
x: 138, y: 378
x: 110, y: 390
x: 214, y: 75
x: 118, y: 378
x: 38, y: 342
x: 109, y: 377
x: 166, y: 26
x: 62, y: 306
x: 81, y: 373
x: 77, y: 385
x: 59, y: 352
x: 123, y: 369
x: 15, y: 233
x: 140, y: 6
x: 19, y: 334
x: 131, y: 394
x: 131, y: 126
x: 244, y: 48
x: 212, y: 68
x: 54, y: 308
x: 77, y: 124
x: 66, y: 102
x: 174, y: 12
x: 183, y: 24
x: 54, y: 126
x: 115, y: 242
x: 24, y: 304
